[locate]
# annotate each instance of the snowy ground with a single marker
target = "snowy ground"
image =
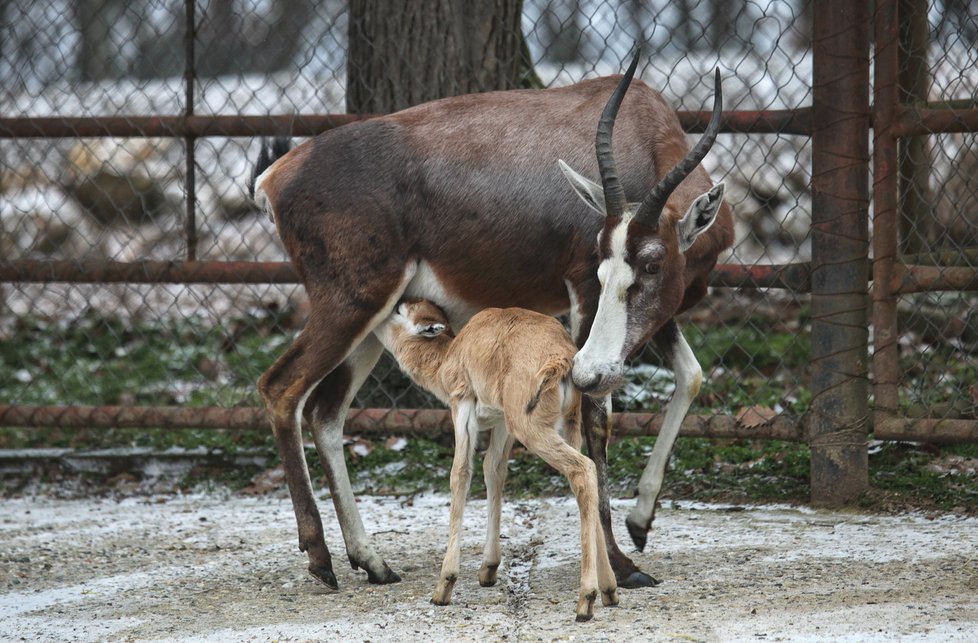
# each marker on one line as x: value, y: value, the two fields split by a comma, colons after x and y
x: 215, y: 567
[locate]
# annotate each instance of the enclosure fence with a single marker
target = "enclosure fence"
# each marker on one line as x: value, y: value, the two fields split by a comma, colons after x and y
x: 141, y: 287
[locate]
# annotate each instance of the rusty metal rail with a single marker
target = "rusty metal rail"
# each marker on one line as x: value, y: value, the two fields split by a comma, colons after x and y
x: 436, y: 422
x: 785, y: 121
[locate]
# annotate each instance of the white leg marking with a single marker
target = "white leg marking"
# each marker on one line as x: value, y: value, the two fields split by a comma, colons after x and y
x: 689, y: 378
x: 494, y: 468
x: 576, y: 314
x: 328, y: 435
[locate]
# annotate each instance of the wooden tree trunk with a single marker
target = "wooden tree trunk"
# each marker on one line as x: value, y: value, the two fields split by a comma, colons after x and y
x: 406, y: 52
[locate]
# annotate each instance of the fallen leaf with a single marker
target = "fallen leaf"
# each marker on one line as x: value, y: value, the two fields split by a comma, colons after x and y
x: 266, y: 481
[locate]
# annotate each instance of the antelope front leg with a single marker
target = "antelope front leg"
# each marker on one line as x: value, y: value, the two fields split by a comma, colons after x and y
x: 689, y: 377
x: 466, y: 433
x: 494, y: 468
x: 597, y: 430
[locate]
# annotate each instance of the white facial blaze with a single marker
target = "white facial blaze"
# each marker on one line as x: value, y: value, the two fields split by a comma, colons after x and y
x: 602, y: 353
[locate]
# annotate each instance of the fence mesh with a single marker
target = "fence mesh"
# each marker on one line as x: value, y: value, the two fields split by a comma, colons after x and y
x: 125, y: 199
x: 938, y: 211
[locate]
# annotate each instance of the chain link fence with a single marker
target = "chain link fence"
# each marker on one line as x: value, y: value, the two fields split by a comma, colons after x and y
x: 148, y: 198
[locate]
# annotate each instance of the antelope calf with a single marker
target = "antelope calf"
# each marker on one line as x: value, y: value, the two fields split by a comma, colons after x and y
x: 508, y: 369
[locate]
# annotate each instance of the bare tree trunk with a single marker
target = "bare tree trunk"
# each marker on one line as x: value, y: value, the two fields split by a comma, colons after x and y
x: 97, y: 55
x: 406, y: 52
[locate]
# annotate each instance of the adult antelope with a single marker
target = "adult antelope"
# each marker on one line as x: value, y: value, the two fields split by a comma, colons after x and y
x: 459, y: 201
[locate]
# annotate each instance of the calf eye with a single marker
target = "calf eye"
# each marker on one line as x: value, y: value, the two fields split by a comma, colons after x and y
x: 653, y: 268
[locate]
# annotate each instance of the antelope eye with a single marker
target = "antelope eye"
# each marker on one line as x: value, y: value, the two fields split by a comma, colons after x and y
x: 652, y: 268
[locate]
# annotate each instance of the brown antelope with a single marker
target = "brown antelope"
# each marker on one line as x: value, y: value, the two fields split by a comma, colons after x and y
x: 460, y: 201
x: 508, y: 370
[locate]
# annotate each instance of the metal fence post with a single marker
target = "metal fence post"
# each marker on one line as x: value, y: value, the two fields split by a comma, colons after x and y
x: 840, y: 245
x: 886, y: 371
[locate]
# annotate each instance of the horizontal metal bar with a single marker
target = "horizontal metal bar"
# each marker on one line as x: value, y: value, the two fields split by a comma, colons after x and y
x: 174, y: 126
x: 918, y: 121
x: 932, y: 430
x: 362, y: 421
x: 439, y: 422
x: 767, y: 121
x: 912, y: 279
x: 911, y: 121
x: 786, y: 121
x: 793, y: 276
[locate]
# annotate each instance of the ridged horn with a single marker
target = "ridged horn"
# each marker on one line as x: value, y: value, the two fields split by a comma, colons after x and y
x: 614, y: 193
x: 650, y: 209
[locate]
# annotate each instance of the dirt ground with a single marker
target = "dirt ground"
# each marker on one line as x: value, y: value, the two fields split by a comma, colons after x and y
x: 217, y: 567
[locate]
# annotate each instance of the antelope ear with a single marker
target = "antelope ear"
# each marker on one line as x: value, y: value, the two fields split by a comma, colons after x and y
x: 431, y: 330
x: 700, y: 216
x: 589, y: 191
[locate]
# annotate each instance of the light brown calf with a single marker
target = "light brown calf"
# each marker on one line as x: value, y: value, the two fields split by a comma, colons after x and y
x: 509, y: 369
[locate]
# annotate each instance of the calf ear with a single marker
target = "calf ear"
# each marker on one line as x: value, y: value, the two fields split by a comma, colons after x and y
x: 699, y: 217
x: 589, y: 191
x: 431, y: 330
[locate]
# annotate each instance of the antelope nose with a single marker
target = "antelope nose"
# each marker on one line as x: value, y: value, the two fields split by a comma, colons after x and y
x: 587, y: 382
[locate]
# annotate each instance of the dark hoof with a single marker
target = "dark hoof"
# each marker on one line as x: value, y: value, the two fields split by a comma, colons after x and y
x: 583, y: 618
x: 387, y: 577
x: 639, y: 534
x: 325, y: 576
x: 637, y: 579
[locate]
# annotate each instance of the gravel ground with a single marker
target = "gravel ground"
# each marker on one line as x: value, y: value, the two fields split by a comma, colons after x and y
x: 216, y: 566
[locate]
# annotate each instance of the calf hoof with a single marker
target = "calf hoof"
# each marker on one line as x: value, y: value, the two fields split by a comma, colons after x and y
x: 609, y: 598
x: 487, y: 575
x: 324, y: 575
x: 443, y: 591
x: 385, y: 577
x: 639, y: 534
x: 585, y: 607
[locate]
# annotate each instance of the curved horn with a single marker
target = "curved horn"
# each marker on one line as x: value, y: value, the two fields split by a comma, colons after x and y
x: 614, y: 194
x: 648, y: 213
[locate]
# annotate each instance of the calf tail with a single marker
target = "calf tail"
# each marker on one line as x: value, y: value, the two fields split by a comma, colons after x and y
x: 550, y: 377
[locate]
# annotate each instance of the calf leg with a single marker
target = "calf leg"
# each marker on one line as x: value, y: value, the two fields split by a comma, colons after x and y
x: 328, y: 410
x: 466, y: 434
x: 597, y: 431
x: 581, y: 473
x: 494, y: 468
x: 689, y: 377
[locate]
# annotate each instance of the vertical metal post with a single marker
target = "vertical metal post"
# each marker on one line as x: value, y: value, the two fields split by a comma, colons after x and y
x: 886, y: 367
x: 915, y: 166
x: 190, y: 74
x: 840, y: 247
